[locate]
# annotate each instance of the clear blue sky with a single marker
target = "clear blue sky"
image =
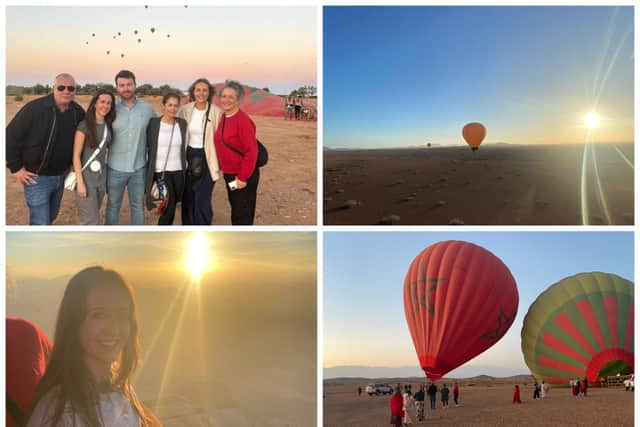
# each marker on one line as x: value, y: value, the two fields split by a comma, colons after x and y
x: 364, y: 322
x: 398, y: 76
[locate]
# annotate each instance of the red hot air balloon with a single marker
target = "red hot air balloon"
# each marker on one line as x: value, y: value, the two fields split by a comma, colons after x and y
x: 459, y: 300
x: 474, y: 134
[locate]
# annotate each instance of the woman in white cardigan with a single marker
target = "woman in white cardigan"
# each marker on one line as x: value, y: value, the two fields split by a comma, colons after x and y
x: 202, y: 117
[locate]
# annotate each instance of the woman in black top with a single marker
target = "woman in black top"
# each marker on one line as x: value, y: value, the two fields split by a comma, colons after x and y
x: 166, y: 136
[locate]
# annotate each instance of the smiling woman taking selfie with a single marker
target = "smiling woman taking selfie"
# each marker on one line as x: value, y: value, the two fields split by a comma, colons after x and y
x: 95, y: 352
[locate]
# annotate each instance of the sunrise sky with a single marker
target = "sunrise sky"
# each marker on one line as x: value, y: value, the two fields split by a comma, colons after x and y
x: 401, y: 76
x: 158, y: 259
x: 251, y: 44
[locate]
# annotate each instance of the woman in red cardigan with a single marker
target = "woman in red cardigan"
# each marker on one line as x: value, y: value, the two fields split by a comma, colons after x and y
x: 237, y: 151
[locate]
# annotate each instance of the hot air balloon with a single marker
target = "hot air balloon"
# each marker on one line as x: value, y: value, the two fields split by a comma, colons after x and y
x: 459, y: 300
x: 139, y: 40
x: 135, y: 31
x: 93, y: 34
x: 474, y: 134
x: 153, y: 30
x: 119, y: 34
x: 428, y: 145
x: 580, y: 326
x: 108, y: 52
x: 168, y: 35
x: 122, y: 55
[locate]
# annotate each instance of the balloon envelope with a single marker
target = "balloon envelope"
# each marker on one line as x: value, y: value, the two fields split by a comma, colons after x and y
x: 459, y: 300
x: 580, y: 326
x: 474, y: 134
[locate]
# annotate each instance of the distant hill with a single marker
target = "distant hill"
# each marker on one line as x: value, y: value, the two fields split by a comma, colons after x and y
x: 476, y: 372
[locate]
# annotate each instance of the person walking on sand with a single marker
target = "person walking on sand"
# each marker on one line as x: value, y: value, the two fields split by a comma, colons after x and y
x: 419, y: 398
x: 432, y: 391
x: 444, y: 395
x: 543, y: 389
x: 456, y: 393
x: 395, y: 404
x: 39, y: 148
x: 586, y: 386
x: 359, y: 391
x: 516, y: 394
x: 128, y: 153
x: 409, y: 408
x: 536, y: 390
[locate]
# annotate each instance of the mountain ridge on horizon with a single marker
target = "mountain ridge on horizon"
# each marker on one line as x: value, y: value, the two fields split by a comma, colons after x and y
x: 470, y: 371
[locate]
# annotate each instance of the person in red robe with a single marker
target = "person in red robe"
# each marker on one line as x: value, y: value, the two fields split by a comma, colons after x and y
x: 516, y: 394
x: 396, y: 404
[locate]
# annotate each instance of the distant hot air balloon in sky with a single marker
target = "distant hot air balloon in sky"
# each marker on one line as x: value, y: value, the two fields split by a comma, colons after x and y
x: 153, y: 30
x: 474, y: 134
x: 139, y: 40
x: 108, y: 52
x: 122, y: 55
x: 135, y: 31
x: 580, y: 326
x: 93, y: 34
x: 459, y: 300
x: 428, y: 145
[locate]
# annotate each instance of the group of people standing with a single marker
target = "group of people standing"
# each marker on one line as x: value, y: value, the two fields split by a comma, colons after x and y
x: 293, y: 104
x: 579, y: 387
x: 160, y: 161
x: 539, y: 390
x: 407, y: 408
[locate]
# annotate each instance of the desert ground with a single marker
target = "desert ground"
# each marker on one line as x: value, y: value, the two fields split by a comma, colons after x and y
x: 286, y: 194
x: 483, y: 403
x: 501, y: 184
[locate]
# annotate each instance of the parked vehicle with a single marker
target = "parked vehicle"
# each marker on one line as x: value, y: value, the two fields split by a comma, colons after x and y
x: 378, y: 389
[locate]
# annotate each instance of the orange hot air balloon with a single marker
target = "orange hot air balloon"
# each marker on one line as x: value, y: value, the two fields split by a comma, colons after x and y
x: 474, y: 134
x: 459, y: 300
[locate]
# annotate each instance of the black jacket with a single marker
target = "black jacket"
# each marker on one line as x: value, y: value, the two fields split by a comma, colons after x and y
x: 153, y: 130
x: 30, y: 134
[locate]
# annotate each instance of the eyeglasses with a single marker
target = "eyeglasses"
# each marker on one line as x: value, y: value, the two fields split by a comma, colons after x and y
x: 61, y: 88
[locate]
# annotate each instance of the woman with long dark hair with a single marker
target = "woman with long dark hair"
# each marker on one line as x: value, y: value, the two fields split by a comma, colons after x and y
x: 93, y: 133
x: 166, y: 137
x: 95, y: 352
x: 202, y: 116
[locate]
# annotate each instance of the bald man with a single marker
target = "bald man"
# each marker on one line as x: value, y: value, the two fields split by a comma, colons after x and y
x: 40, y: 148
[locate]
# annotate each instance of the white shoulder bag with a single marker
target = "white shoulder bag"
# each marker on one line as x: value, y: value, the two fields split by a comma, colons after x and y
x: 70, y: 180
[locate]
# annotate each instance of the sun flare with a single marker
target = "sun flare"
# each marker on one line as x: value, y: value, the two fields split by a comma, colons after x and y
x: 198, y: 258
x: 592, y: 120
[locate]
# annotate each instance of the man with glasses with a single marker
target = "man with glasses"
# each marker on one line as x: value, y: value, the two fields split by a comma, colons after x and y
x: 40, y: 148
x: 127, y: 154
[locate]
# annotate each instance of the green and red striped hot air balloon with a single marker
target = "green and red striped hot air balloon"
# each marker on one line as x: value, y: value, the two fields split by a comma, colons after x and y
x: 581, y: 327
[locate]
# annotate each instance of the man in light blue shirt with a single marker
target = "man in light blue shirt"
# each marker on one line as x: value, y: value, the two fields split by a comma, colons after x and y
x: 127, y: 155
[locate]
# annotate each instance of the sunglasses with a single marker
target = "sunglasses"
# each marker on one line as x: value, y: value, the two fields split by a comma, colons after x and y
x: 69, y: 88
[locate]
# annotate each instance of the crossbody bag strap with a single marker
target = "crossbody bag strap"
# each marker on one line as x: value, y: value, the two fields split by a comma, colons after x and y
x: 166, y: 160
x: 234, y: 149
x: 206, y: 119
x: 97, y: 150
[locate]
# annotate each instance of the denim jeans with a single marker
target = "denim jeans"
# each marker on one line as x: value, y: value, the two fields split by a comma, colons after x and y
x: 116, y: 182
x: 44, y: 199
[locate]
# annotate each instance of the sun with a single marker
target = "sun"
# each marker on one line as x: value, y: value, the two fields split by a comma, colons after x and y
x: 198, y: 258
x: 592, y: 120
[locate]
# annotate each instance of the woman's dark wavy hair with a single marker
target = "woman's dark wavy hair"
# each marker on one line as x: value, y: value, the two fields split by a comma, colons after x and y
x: 67, y: 379
x: 90, y: 118
x: 192, y: 88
